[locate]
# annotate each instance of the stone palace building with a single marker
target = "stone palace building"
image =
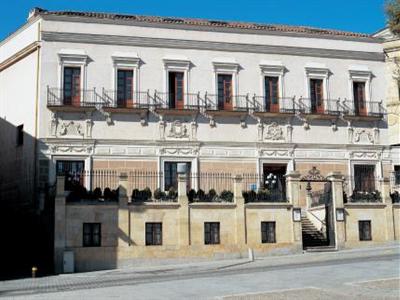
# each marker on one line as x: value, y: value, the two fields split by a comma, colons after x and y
x: 267, y: 137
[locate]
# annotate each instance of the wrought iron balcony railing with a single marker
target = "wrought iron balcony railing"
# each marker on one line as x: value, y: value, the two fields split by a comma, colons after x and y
x: 280, y: 105
x: 228, y: 103
x: 366, y: 109
x: 185, y: 101
x: 82, y: 98
x: 72, y: 98
x: 116, y: 99
x: 323, y: 107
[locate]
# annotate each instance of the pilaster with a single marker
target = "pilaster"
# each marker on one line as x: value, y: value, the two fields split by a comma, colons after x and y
x: 59, y: 226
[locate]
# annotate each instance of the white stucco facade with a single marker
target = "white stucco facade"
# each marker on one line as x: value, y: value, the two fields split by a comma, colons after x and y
x: 98, y: 47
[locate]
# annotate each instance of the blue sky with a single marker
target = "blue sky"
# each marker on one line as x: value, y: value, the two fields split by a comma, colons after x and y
x: 365, y: 16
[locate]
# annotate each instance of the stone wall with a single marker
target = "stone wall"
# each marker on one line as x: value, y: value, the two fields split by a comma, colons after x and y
x: 376, y: 213
x: 123, y: 226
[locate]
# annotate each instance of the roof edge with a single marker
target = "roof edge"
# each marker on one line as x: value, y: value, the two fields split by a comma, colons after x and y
x: 203, y: 24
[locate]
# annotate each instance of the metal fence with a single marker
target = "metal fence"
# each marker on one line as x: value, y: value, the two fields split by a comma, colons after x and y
x: 264, y: 187
x: 140, y: 180
x: 207, y: 181
x: 203, y: 186
x: 364, y: 188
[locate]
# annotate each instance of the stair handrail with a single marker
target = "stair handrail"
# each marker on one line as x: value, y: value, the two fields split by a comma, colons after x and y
x: 322, y: 222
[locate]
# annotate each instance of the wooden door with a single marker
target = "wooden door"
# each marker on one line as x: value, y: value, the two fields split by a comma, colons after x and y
x: 271, y: 94
x: 317, y: 96
x: 225, y: 92
x: 125, y: 88
x: 360, y: 107
x: 176, y: 90
x: 72, y: 86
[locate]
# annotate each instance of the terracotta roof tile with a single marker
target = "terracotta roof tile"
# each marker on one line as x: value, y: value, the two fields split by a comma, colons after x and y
x: 204, y: 22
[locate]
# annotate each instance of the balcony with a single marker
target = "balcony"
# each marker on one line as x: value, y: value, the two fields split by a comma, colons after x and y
x: 287, y: 105
x: 188, y: 103
x: 180, y: 102
x: 77, y: 100
x: 368, y: 109
x: 115, y: 101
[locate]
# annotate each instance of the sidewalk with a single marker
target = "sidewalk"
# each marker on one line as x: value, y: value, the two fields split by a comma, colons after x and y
x: 387, y: 249
x: 121, y: 277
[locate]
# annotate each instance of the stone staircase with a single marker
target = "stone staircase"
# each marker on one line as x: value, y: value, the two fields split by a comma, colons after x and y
x: 312, y: 237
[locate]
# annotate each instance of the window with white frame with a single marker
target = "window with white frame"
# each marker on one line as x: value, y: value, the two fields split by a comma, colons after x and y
x: 176, y: 83
x: 359, y: 89
x: 125, y: 92
x: 225, y: 84
x: 317, y: 87
x: 272, y: 75
x: 72, y: 77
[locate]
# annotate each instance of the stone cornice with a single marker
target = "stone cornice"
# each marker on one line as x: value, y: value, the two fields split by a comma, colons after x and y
x: 19, y: 55
x: 250, y: 145
x: 206, y: 45
x: 364, y: 205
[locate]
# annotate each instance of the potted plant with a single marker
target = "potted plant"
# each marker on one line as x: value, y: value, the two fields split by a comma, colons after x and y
x: 191, y: 195
x: 212, y: 194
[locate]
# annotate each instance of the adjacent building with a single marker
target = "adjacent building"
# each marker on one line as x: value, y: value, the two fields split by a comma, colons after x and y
x: 391, y: 45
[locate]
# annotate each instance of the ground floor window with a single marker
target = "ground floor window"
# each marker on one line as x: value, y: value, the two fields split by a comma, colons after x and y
x: 153, y: 234
x: 91, y: 234
x: 364, y: 229
x: 268, y: 232
x: 72, y: 170
x: 364, y: 178
x: 211, y: 233
x: 171, y: 174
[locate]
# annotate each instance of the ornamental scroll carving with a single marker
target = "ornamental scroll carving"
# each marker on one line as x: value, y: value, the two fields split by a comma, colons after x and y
x: 179, y: 151
x: 363, y: 136
x: 313, y: 175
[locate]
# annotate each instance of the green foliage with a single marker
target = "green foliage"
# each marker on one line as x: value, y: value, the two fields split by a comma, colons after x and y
x: 172, y: 193
x: 226, y: 196
x: 392, y: 9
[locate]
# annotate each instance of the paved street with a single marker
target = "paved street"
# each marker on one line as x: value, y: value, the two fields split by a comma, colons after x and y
x: 352, y: 274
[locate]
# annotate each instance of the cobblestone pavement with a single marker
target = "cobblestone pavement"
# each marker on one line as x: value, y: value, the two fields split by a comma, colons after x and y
x: 366, y: 274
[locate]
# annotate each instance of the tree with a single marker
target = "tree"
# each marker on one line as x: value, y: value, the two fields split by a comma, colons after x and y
x: 392, y: 9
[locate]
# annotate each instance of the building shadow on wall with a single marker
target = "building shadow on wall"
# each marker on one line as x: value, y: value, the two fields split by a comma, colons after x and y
x: 26, y: 211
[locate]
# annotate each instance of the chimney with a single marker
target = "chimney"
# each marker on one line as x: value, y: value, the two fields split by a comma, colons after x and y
x: 34, y: 12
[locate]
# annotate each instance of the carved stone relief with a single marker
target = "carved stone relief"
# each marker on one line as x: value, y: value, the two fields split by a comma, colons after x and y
x: 193, y: 132
x: 365, y: 155
x: 53, y: 124
x: 313, y: 175
x: 70, y: 149
x: 178, y: 130
x: 89, y: 125
x: 274, y: 132
x: 161, y: 129
x: 260, y: 128
x: 274, y: 153
x: 179, y: 151
x: 71, y: 129
x: 363, y: 136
